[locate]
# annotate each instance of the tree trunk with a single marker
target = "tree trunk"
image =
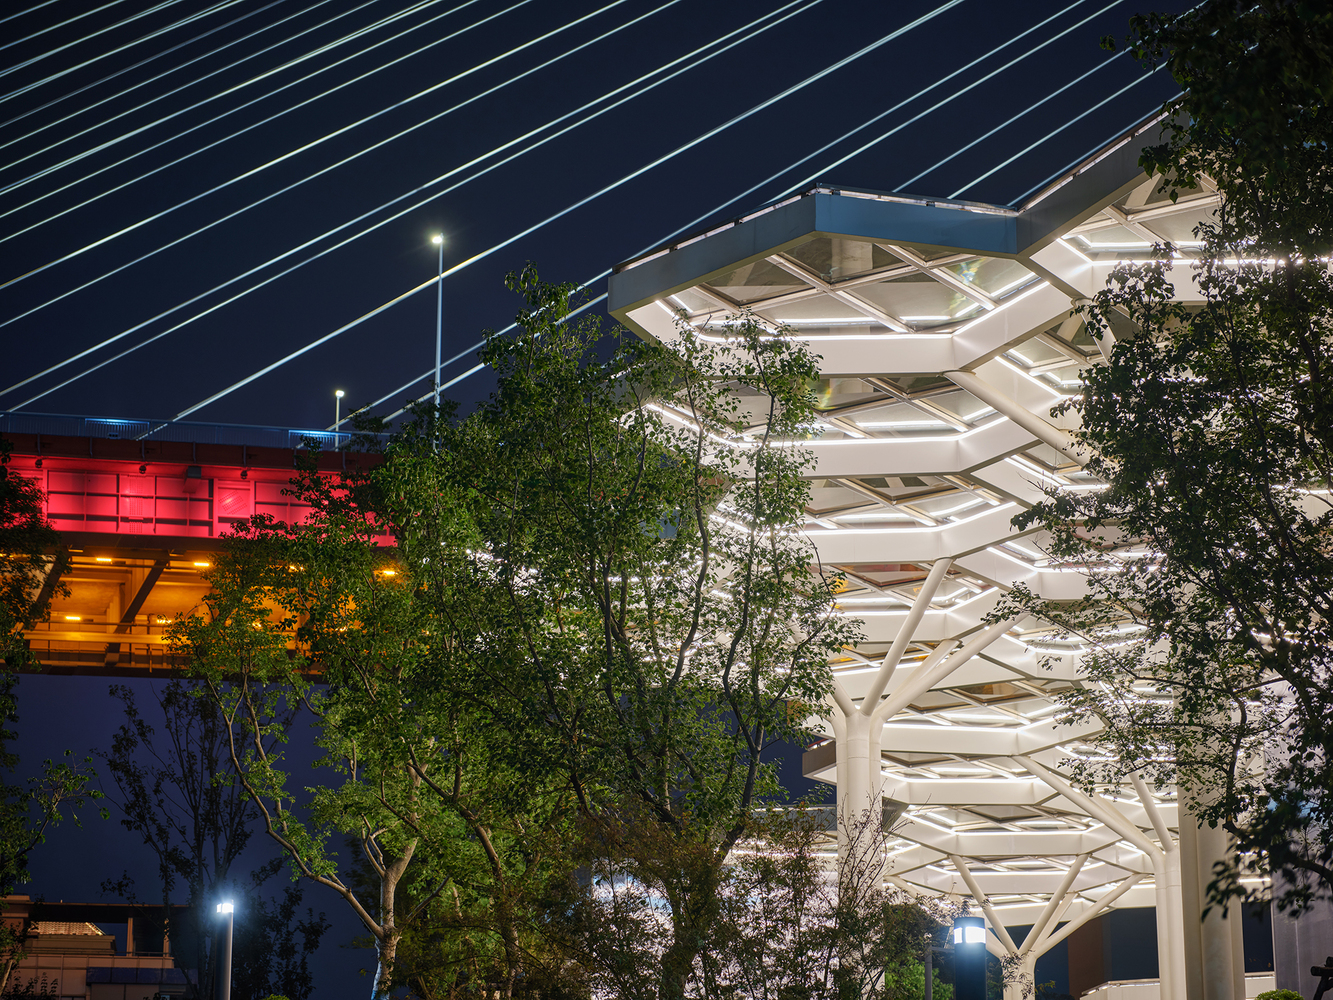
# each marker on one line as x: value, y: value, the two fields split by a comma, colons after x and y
x: 692, y: 919
x: 386, y: 942
x: 387, y: 950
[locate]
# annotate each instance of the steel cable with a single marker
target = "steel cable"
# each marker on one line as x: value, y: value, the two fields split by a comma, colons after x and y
x: 143, y: 83
x: 813, y: 78
x: 1027, y: 149
x: 53, y: 27
x: 1028, y: 110
x: 493, y: 152
x: 358, y: 235
x: 110, y: 52
x: 939, y: 104
x: 715, y: 211
x: 48, y: 3
x: 358, y: 33
x: 703, y: 137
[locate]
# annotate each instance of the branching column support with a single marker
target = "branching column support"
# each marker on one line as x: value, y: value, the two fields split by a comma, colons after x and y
x: 1040, y: 428
x: 1014, y: 990
x: 1166, y: 873
x: 859, y: 799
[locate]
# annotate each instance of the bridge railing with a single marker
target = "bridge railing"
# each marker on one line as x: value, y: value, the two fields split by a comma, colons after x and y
x: 144, y: 429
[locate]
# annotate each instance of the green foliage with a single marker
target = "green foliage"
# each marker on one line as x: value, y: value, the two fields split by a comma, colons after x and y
x: 594, y: 621
x: 1254, y: 113
x: 32, y: 560
x: 631, y: 605
x: 1213, y: 428
x: 31, y: 563
x: 1279, y: 995
x: 785, y: 928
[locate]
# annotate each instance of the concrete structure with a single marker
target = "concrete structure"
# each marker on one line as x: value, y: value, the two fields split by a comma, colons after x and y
x: 68, y: 948
x: 946, y: 336
x: 141, y: 506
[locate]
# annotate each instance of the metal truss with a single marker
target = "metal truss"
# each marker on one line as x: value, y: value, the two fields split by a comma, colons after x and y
x: 946, y: 341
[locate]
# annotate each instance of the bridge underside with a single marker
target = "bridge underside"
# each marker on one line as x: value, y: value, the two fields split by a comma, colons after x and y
x: 142, y: 521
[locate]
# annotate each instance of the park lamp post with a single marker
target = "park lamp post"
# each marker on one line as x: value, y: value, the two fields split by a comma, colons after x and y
x: 438, y: 240
x: 225, y: 964
x: 969, y: 958
x: 337, y: 411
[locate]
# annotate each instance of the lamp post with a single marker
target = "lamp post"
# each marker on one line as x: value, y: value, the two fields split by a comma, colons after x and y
x: 438, y: 240
x: 225, y: 992
x: 969, y: 958
x: 337, y: 411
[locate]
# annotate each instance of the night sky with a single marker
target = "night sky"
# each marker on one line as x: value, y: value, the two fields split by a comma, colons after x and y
x: 119, y: 142
x: 63, y: 152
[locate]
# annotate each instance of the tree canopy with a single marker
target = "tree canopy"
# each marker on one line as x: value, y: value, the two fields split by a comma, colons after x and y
x: 1212, y: 427
x: 31, y: 562
x: 593, y: 621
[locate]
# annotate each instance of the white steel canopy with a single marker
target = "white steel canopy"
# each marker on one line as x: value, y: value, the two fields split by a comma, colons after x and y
x: 946, y: 337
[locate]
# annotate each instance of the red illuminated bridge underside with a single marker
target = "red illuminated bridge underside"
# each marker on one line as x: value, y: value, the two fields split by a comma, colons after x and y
x: 142, y: 521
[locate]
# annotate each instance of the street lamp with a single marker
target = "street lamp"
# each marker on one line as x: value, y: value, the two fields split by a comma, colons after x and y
x: 337, y: 411
x: 438, y: 240
x: 225, y: 993
x: 969, y: 958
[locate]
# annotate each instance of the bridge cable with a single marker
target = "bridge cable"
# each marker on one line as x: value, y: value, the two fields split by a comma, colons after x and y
x: 712, y: 213
x: 813, y: 78
x: 53, y: 27
x: 197, y: 16
x: 328, y: 47
x: 344, y: 242
x: 442, y: 177
x: 1026, y: 111
x: 1049, y: 135
x: 143, y: 83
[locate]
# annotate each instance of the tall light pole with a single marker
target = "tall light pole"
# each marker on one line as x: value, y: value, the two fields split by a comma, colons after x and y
x: 225, y: 993
x: 438, y: 240
x: 337, y: 411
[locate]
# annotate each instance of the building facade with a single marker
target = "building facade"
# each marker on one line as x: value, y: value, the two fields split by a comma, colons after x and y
x: 72, y: 950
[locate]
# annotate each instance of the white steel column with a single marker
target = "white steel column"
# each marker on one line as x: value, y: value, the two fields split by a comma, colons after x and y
x: 1166, y: 872
x: 860, y: 780
x: 854, y: 804
x: 838, y: 723
x: 1040, y: 428
x: 1170, y: 926
x: 1217, y: 955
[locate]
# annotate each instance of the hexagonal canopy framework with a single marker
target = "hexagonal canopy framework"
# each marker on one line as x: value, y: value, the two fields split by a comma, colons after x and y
x: 946, y: 337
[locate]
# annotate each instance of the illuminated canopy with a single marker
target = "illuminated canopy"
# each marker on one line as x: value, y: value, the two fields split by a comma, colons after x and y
x: 946, y: 337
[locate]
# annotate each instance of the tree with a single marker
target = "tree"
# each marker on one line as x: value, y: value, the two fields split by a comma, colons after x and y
x: 31, y: 562
x: 789, y: 926
x: 238, y: 647
x: 449, y: 843
x: 594, y: 610
x: 177, y: 791
x: 644, y: 622
x: 1213, y: 429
